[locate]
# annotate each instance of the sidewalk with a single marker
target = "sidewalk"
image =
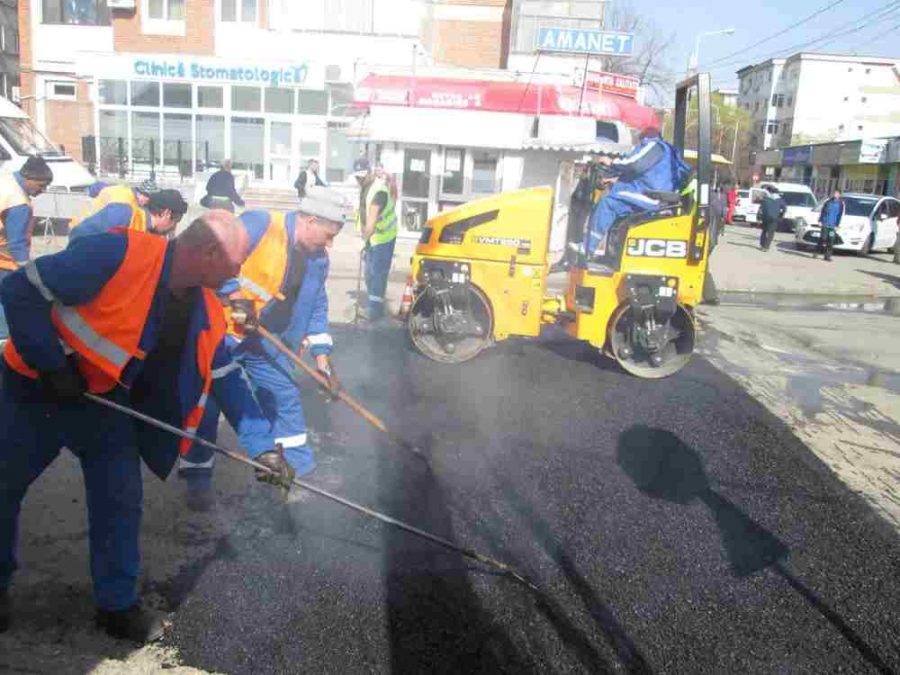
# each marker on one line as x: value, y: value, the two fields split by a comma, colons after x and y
x: 739, y: 266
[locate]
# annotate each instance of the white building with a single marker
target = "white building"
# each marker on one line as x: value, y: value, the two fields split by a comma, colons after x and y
x: 729, y: 96
x: 810, y: 98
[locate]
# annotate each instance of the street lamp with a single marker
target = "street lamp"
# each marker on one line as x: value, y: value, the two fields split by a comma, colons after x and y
x: 692, y: 66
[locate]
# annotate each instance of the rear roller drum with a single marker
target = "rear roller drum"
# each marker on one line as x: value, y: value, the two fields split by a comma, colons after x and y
x: 637, y: 360
x: 472, y: 332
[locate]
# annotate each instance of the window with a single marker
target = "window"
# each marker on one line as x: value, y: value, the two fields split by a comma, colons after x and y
x: 309, y: 150
x: 210, y: 97
x: 145, y: 148
x: 210, y: 141
x: 849, y: 70
x: 790, y: 101
x: 341, y: 153
x: 246, y: 99
x: 868, y: 71
x: 145, y: 94
x: 772, y: 128
x: 313, y: 102
x: 841, y: 127
x: 248, y: 145
x: 239, y: 11
x: 864, y: 99
x: 61, y: 91
x: 169, y: 10
x: 454, y: 170
x: 10, y: 40
x: 484, y: 172
x: 859, y: 128
x: 76, y: 12
x: 177, y: 139
x: 114, y: 92
x: 846, y: 98
x: 25, y: 138
x: 280, y: 101
x: 177, y: 96
x: 280, y: 138
x: 113, y: 141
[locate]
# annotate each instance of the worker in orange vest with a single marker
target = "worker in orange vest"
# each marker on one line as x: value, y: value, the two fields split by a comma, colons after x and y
x: 164, y: 210
x: 131, y: 317
x: 118, y: 194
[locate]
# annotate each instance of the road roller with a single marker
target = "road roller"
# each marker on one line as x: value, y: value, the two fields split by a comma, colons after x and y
x: 480, y: 272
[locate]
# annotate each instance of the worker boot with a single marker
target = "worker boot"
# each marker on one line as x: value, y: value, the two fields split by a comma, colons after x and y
x: 135, y: 623
x: 5, y: 611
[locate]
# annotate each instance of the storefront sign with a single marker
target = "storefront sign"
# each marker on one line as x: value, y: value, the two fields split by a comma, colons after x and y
x: 578, y: 41
x: 219, y: 72
x: 872, y: 151
x: 795, y: 156
x: 611, y: 83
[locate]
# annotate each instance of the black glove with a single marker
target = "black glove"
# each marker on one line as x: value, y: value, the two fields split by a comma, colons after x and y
x: 65, y: 384
x: 281, y: 473
x: 243, y: 314
x: 334, y: 385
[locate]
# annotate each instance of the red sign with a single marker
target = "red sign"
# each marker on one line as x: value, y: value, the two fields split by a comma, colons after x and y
x: 623, y: 85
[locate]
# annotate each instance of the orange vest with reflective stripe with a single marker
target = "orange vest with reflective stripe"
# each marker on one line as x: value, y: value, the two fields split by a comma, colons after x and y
x: 262, y: 274
x: 115, y: 194
x: 11, y: 194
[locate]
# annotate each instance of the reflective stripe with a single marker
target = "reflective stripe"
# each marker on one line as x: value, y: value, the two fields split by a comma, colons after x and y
x: 202, y: 402
x: 67, y: 350
x: 184, y: 464
x: 255, y: 288
x: 189, y: 430
x: 219, y: 373
x: 34, y: 276
x: 637, y: 197
x: 375, y: 298
x: 625, y: 161
x: 96, y: 343
x: 297, y: 441
x: 320, y: 339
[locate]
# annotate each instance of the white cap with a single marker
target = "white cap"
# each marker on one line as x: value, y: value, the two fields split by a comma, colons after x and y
x: 325, y: 203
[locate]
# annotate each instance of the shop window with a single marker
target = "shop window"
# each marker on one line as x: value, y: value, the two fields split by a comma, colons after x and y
x: 210, y: 141
x: 484, y: 172
x: 210, y: 97
x: 416, y: 173
x: 869, y: 186
x: 246, y: 99
x: 75, y: 12
x: 243, y: 11
x: 177, y: 142
x: 113, y: 92
x: 309, y: 150
x: 145, y: 146
x: 341, y: 153
x: 248, y: 145
x: 177, y: 96
x: 280, y: 101
x: 280, y: 138
x: 169, y: 10
x: 61, y: 91
x: 145, y: 94
x: 113, y: 142
x: 313, y: 102
x: 454, y: 171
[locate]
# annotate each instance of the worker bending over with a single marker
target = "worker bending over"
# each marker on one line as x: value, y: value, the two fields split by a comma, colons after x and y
x: 116, y: 194
x: 377, y: 220
x: 163, y: 212
x: 284, y: 278
x: 131, y: 317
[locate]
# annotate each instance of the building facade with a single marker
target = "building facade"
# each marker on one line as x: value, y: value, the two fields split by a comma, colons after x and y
x: 9, y: 50
x: 467, y: 33
x: 729, y: 96
x: 818, y: 98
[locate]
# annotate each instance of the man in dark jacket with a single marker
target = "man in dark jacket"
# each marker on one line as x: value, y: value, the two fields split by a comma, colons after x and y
x: 308, y: 178
x: 830, y: 219
x: 770, y: 212
x: 220, y: 190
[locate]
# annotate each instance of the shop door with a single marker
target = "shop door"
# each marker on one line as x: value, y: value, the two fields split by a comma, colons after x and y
x: 416, y: 188
x: 279, y: 167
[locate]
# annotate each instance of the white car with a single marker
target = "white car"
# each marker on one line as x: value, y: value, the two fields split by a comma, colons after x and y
x: 747, y: 205
x: 800, y: 202
x: 869, y: 223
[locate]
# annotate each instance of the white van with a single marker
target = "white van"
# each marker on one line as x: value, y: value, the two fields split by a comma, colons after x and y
x: 19, y: 138
x: 799, y: 200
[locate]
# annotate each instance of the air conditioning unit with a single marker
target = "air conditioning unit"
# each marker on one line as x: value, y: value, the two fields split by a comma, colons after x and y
x: 121, y: 4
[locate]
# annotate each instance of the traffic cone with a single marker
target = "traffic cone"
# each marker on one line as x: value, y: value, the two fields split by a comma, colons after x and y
x: 406, y: 302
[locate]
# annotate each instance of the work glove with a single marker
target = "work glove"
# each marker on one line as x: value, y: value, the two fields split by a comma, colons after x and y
x: 243, y: 314
x: 334, y: 385
x: 64, y: 385
x: 281, y: 475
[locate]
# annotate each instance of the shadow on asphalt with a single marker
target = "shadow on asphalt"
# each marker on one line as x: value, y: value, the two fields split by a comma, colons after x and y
x: 663, y: 467
x: 892, y: 279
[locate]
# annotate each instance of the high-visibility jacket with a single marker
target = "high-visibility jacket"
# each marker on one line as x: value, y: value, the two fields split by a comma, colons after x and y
x: 114, y: 194
x: 386, y: 226
x: 105, y: 333
x: 11, y: 195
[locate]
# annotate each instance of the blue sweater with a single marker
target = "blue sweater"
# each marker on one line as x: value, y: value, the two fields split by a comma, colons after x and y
x: 16, y: 222
x: 110, y: 216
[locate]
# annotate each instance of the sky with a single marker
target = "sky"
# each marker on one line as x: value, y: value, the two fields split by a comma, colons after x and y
x: 755, y: 20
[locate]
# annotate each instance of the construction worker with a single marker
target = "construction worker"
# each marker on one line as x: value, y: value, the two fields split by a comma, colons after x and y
x: 377, y: 220
x: 116, y: 194
x: 16, y: 192
x: 284, y: 278
x: 164, y: 210
x: 128, y: 316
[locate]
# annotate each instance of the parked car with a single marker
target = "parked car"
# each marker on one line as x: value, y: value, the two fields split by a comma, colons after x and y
x: 747, y: 205
x: 799, y: 200
x: 870, y: 223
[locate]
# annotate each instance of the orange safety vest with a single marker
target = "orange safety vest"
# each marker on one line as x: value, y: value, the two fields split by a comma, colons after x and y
x: 105, y: 332
x: 115, y: 194
x: 262, y: 274
x: 11, y: 194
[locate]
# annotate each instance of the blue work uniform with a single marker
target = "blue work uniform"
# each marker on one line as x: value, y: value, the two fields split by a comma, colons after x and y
x: 110, y: 216
x: 108, y: 444
x: 302, y: 315
x: 16, y: 223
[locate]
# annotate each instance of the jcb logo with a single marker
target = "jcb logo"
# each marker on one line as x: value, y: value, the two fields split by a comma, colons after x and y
x: 657, y: 248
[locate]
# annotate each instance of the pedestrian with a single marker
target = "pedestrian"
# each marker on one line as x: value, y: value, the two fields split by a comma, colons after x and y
x: 716, y: 216
x: 116, y: 194
x: 309, y: 177
x: 128, y: 316
x: 164, y: 210
x: 653, y: 165
x: 16, y: 191
x: 770, y: 212
x: 829, y: 220
x: 731, y: 205
x: 377, y: 220
x: 220, y: 190
x: 284, y: 278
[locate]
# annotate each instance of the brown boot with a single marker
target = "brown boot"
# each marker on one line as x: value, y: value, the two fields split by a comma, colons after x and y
x: 135, y: 623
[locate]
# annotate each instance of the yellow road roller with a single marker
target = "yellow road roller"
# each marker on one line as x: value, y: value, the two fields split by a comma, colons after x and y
x: 480, y: 272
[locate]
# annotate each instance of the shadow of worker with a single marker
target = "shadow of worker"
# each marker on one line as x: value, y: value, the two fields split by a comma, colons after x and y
x: 663, y: 467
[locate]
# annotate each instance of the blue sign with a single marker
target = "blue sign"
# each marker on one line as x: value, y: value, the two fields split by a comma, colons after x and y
x: 796, y: 155
x: 214, y: 71
x: 579, y: 41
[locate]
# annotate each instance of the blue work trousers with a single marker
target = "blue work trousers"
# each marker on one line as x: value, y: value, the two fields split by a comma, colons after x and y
x: 612, y: 208
x: 33, y: 432
x: 378, y: 267
x: 279, y: 399
x: 4, y: 327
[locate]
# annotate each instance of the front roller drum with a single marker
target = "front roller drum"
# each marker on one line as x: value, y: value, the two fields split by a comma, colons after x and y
x: 451, y: 348
x: 671, y: 358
